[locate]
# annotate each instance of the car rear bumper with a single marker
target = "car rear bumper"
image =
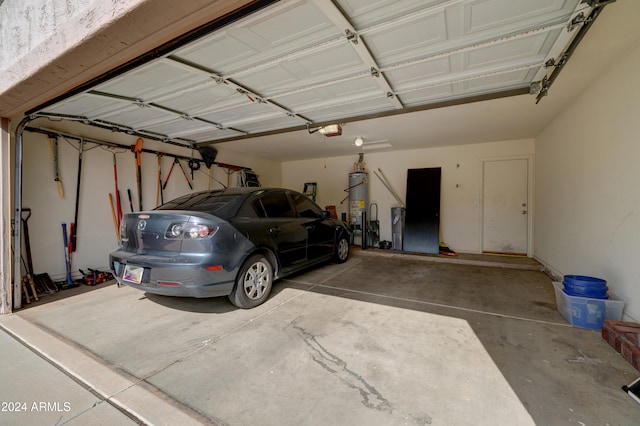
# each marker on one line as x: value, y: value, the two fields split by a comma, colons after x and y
x: 174, y: 279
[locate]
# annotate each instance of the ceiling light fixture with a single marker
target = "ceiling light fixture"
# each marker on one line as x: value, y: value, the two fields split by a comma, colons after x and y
x: 359, y: 141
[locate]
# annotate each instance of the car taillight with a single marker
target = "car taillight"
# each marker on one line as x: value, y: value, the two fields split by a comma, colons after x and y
x: 123, y: 231
x: 192, y: 231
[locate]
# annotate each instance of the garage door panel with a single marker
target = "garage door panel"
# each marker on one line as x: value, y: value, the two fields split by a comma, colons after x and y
x: 406, y: 77
x: 244, y: 112
x: 355, y: 108
x: 88, y: 105
x: 413, y: 39
x: 301, y: 62
x: 203, y: 133
x: 266, y: 124
x: 498, y: 15
x: 217, y: 52
x: 151, y: 81
x: 207, y: 98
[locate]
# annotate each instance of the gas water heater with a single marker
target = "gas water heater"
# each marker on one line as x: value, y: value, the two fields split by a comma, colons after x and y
x: 358, y: 198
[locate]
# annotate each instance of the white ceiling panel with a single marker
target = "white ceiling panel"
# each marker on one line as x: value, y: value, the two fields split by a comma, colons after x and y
x: 305, y: 63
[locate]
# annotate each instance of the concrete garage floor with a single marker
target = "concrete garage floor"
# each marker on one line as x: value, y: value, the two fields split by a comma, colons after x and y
x: 380, y: 340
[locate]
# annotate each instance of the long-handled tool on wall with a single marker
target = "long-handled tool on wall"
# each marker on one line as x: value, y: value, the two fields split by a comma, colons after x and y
x: 137, y: 149
x: 67, y: 257
x: 115, y: 218
x: 130, y: 199
x: 27, y: 240
x: 117, y: 191
x: 177, y: 161
x: 159, y: 192
x: 73, y: 227
x: 53, y: 140
x: 184, y: 173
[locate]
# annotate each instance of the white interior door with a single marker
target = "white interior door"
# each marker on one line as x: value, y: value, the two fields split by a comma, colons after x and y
x: 505, y: 226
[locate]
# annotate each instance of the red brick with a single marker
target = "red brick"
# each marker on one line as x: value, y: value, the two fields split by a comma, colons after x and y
x: 630, y: 352
x: 614, y: 324
x: 624, y: 337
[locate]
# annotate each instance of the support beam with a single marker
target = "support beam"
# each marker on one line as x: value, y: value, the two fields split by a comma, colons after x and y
x: 5, y: 242
x: 335, y: 15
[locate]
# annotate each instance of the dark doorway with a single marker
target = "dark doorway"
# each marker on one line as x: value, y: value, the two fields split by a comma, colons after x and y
x: 422, y: 220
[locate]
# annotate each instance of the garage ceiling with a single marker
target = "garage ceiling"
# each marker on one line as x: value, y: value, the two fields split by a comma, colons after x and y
x: 301, y: 64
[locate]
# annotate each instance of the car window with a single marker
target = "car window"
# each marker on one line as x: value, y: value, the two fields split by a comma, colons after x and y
x: 305, y: 207
x: 258, y: 209
x: 221, y: 205
x: 276, y: 204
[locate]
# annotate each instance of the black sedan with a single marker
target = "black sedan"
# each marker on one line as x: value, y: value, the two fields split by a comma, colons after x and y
x: 230, y: 242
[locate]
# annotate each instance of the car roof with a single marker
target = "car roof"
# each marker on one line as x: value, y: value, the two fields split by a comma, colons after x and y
x: 243, y: 190
x: 229, y: 209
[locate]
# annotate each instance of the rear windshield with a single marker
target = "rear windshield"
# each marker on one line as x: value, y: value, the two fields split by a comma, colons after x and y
x: 221, y: 205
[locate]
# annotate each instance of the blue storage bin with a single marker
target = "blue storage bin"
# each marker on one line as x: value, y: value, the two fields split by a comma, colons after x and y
x: 584, y: 286
x: 586, y: 312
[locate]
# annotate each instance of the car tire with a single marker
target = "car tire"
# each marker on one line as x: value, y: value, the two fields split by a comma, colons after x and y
x: 341, y: 253
x: 253, y: 283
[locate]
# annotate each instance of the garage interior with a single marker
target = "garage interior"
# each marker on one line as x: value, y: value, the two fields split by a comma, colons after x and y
x: 472, y: 88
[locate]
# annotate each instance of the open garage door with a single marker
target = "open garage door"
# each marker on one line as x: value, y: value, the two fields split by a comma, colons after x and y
x: 302, y: 64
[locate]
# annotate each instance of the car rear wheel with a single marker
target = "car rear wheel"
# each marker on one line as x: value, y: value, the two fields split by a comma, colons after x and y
x: 342, y: 249
x: 253, y: 283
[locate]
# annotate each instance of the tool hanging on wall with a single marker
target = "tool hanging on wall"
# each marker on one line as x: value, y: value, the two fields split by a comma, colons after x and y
x: 184, y: 173
x: 159, y: 194
x: 67, y: 257
x: 117, y: 191
x: 74, y: 226
x: 53, y: 141
x: 193, y: 165
x: 116, y: 225
x: 137, y: 149
x: 27, y: 240
x: 130, y: 199
x: 177, y: 161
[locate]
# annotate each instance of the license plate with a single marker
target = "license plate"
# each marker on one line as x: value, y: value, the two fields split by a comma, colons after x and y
x: 133, y: 273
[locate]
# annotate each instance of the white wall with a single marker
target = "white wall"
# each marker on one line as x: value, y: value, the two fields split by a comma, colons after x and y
x: 96, y: 233
x: 587, y: 175
x: 461, y: 186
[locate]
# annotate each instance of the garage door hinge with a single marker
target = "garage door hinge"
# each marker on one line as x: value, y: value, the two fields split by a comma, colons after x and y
x: 579, y: 19
x: 351, y: 36
x: 540, y: 88
x: 375, y: 72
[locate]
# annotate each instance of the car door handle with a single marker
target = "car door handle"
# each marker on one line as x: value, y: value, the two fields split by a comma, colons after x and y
x: 275, y: 230
x: 310, y: 227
